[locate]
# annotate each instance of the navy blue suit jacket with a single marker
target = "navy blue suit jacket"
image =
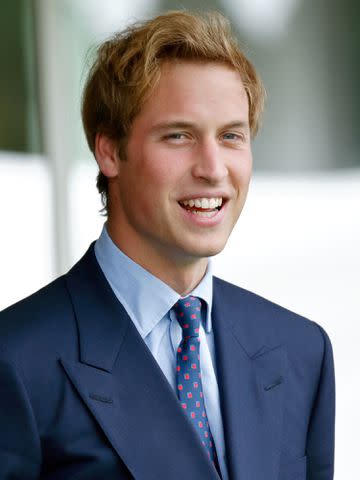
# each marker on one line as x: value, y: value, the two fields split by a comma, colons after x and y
x: 81, y: 396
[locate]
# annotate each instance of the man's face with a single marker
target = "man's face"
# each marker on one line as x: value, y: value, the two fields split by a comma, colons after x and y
x: 184, y: 183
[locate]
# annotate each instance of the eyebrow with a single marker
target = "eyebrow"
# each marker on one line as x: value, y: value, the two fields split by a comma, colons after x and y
x: 184, y: 124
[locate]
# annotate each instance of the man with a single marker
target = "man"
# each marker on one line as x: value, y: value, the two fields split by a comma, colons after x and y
x: 138, y: 363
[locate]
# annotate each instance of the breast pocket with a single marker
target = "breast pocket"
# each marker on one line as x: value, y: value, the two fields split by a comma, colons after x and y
x: 295, y: 470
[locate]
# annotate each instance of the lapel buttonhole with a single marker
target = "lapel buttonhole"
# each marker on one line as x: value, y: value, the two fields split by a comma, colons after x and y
x: 278, y: 381
x: 100, y: 398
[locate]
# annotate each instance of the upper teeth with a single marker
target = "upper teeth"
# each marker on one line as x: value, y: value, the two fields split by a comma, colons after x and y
x: 203, y: 202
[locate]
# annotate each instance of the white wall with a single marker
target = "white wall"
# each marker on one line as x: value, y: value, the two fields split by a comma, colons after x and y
x: 26, y: 247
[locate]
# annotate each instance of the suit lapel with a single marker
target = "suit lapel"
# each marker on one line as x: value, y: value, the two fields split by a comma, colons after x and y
x: 251, y: 372
x: 122, y: 385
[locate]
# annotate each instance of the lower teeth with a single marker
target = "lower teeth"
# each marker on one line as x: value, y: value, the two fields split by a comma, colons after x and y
x: 204, y: 214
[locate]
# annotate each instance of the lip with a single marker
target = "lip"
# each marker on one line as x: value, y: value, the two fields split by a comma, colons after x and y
x: 198, y: 220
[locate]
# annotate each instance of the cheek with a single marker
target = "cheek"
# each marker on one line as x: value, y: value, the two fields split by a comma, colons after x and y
x: 162, y: 171
x: 242, y: 172
x: 150, y: 161
x: 246, y: 173
x: 153, y: 188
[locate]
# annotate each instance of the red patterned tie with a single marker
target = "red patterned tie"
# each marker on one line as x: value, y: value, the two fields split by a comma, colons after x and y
x: 188, y: 374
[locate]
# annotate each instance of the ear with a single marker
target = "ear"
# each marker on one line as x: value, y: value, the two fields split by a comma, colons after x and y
x: 106, y: 155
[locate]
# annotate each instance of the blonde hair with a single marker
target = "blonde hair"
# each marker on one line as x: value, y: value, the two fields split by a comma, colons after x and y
x: 127, y: 67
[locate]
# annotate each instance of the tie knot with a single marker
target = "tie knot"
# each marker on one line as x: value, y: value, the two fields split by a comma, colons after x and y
x: 188, y: 314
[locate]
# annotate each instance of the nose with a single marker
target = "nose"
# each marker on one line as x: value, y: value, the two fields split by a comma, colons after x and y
x: 209, y: 163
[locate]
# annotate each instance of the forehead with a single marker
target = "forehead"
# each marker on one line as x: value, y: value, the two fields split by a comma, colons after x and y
x: 196, y: 91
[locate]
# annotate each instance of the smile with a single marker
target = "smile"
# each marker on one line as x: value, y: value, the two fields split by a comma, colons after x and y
x: 202, y: 207
x: 202, y: 203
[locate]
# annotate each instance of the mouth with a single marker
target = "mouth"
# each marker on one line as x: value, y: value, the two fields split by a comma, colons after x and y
x: 203, y: 207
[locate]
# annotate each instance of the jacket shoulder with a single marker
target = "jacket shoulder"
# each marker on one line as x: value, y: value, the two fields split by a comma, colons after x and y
x: 258, y: 305
x: 273, y: 321
x: 38, y: 319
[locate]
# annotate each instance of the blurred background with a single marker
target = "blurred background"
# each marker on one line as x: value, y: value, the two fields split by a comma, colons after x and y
x: 298, y: 239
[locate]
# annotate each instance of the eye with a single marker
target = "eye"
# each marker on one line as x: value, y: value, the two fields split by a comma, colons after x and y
x: 237, y: 137
x: 175, y: 136
x: 176, y: 139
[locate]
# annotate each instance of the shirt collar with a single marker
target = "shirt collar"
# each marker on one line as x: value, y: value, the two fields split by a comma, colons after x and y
x: 146, y: 298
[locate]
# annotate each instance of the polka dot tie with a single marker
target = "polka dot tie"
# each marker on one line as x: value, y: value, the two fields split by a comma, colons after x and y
x: 188, y: 374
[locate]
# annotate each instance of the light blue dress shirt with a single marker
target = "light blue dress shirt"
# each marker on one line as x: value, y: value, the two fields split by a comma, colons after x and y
x: 148, y: 302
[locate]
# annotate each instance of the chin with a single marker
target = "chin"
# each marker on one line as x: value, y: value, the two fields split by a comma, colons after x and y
x: 206, y: 250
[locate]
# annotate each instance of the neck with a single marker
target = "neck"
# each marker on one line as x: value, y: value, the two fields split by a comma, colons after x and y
x: 179, y: 273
